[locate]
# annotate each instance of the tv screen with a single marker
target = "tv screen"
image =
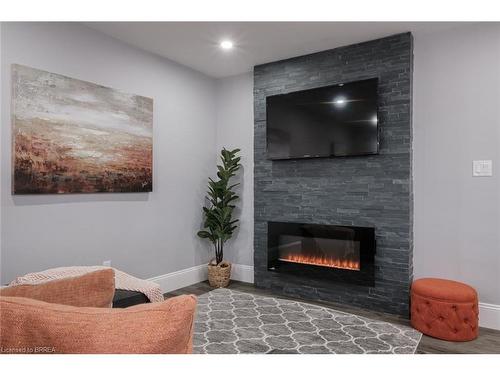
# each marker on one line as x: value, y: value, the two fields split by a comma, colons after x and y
x: 337, y: 120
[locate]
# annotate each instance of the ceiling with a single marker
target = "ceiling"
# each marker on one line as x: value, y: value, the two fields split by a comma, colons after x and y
x: 196, y: 44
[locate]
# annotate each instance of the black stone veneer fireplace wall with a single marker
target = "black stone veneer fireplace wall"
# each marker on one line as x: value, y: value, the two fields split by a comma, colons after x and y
x: 366, y: 191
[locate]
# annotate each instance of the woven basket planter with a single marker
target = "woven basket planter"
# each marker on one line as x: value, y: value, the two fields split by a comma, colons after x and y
x: 219, y: 275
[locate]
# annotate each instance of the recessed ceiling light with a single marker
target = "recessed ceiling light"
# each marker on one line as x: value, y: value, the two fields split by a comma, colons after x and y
x: 226, y: 44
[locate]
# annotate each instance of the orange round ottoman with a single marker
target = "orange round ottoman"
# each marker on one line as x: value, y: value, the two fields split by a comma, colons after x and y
x: 444, y: 309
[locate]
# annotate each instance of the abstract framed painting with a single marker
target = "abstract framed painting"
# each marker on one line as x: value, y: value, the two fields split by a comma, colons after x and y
x: 73, y: 136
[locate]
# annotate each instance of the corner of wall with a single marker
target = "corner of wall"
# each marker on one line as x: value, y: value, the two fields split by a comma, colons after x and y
x: 234, y: 128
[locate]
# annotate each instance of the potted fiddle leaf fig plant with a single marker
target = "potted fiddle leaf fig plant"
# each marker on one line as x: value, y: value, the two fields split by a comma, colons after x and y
x: 218, y: 223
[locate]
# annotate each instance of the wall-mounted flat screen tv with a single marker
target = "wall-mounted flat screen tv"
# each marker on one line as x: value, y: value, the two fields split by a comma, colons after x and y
x: 337, y: 120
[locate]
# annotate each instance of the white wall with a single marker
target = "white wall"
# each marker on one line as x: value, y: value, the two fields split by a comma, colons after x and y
x: 143, y: 234
x: 456, y: 120
x: 235, y: 130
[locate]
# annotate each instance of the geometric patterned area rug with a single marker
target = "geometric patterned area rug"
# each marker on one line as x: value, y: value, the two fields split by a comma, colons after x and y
x: 231, y: 322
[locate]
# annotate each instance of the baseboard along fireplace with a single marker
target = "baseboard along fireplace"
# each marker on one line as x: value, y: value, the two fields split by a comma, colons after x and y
x: 338, y: 253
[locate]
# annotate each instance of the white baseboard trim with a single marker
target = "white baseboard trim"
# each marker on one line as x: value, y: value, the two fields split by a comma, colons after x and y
x: 189, y: 276
x: 241, y: 272
x: 489, y: 315
x: 180, y: 279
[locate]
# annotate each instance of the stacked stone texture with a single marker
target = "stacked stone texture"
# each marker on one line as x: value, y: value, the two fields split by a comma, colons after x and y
x: 373, y: 191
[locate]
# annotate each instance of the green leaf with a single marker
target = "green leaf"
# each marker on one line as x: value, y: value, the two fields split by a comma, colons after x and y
x: 217, y: 216
x: 203, y: 234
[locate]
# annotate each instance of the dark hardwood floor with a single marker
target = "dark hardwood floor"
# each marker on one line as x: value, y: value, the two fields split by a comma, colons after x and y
x: 488, y: 341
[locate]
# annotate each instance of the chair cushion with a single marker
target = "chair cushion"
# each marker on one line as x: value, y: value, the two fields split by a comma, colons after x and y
x: 94, y: 289
x: 127, y: 298
x: 164, y: 327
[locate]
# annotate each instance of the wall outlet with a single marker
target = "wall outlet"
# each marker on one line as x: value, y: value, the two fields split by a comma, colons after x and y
x: 106, y: 263
x: 482, y: 168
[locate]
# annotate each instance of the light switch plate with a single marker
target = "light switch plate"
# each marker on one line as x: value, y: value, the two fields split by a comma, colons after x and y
x: 482, y: 168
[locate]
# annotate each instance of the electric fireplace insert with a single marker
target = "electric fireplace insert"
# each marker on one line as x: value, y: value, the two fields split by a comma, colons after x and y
x: 340, y: 253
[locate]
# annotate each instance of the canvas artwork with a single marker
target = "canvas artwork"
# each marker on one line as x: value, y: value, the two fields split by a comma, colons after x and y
x: 72, y: 136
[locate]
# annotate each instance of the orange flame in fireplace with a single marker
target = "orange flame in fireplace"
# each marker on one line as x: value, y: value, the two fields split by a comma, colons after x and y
x: 322, y: 261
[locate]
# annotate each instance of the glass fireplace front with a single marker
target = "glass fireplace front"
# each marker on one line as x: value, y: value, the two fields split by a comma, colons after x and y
x: 344, y: 253
x: 324, y: 252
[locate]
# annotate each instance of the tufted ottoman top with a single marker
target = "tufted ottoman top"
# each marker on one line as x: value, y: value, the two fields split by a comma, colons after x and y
x: 444, y: 290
